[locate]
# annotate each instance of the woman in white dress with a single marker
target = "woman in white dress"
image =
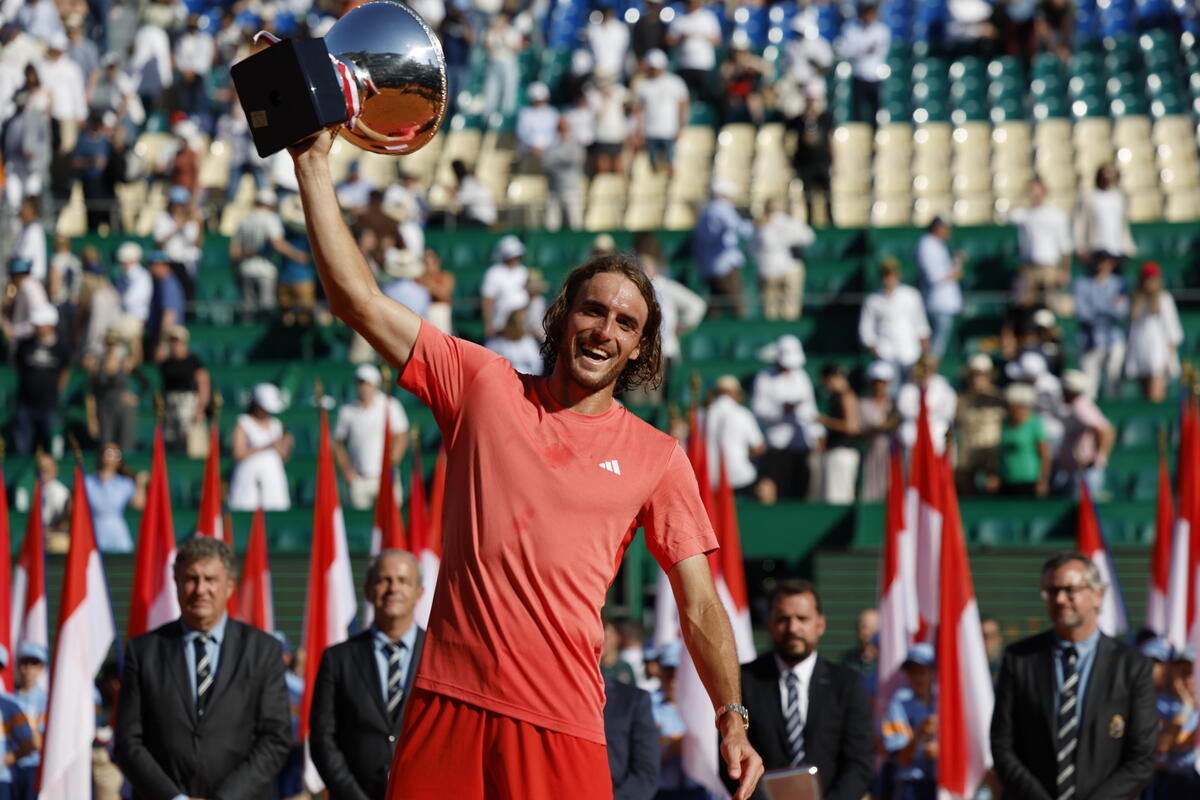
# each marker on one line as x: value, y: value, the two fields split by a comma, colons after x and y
x: 1154, y: 334
x: 260, y: 446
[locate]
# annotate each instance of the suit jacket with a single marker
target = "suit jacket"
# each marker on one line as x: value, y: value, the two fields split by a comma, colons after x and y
x: 1115, y: 756
x: 233, y: 751
x: 837, y: 730
x: 632, y: 737
x: 352, y: 736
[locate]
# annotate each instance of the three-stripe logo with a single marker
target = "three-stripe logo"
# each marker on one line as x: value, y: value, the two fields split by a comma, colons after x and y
x: 612, y: 466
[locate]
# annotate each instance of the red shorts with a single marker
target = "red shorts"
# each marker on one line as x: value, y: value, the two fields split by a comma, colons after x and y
x: 450, y: 749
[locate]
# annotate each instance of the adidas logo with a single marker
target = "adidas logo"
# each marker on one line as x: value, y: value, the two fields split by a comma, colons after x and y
x: 611, y: 466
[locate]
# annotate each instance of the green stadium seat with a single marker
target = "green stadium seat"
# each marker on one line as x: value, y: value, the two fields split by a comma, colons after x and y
x: 1039, y: 530
x: 995, y: 531
x: 1140, y: 432
x: 1144, y: 485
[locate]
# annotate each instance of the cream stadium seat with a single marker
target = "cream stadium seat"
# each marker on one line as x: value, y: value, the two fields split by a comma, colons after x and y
x: 1066, y: 200
x: 1182, y: 207
x: 214, y: 172
x: 604, y: 216
x: 891, y: 212
x: 150, y: 148
x: 462, y: 145
x: 972, y: 135
x: 696, y: 140
x: 1145, y: 206
x: 1174, y: 156
x: 736, y: 136
x: 72, y: 220
x: 156, y: 202
x: 1173, y: 130
x: 851, y: 141
x: 688, y: 186
x: 770, y: 136
x: 893, y: 184
x: 380, y: 170
x: 650, y: 186
x: 1051, y: 131
x: 131, y: 197
x: 1014, y: 134
x: 932, y: 184
x: 527, y: 191
x: 1137, y: 177
x: 1092, y: 132
x: 1180, y: 178
x: 644, y: 216
x: 231, y: 216
x: 968, y: 184
x: 974, y: 209
x: 1012, y: 185
x: 926, y: 208
x: 1131, y: 130
x: 851, y: 211
x: 932, y: 136
x: 894, y: 136
x: 679, y: 217
x: 607, y: 188
x: 1135, y: 154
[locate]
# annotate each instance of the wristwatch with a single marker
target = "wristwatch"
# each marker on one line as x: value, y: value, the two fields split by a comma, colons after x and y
x: 736, y: 708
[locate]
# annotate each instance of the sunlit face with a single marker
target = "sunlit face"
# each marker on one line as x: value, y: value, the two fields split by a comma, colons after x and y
x: 395, y: 588
x: 29, y: 671
x: 203, y: 588
x: 795, y: 626
x: 602, y: 331
x: 868, y: 625
x: 1070, y: 602
x: 890, y: 279
x: 366, y: 391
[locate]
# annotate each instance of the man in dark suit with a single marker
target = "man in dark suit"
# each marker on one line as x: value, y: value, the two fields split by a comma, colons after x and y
x: 204, y: 708
x: 362, y: 685
x: 1075, y: 710
x: 632, y: 737
x: 806, y: 709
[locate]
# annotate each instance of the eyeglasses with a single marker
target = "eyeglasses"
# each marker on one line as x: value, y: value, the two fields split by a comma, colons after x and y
x: 1051, y: 592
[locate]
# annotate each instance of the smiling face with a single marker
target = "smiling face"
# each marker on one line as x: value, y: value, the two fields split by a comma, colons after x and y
x: 1071, y: 602
x: 602, y: 331
x: 394, y: 588
x: 203, y: 588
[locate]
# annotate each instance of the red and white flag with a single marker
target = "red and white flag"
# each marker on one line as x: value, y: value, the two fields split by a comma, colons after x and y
x: 425, y: 543
x: 153, y: 601
x: 30, y: 614
x: 330, y: 610
x: 923, y: 519
x: 1160, y: 559
x: 86, y: 631
x: 209, y: 522
x: 256, y: 606
x: 6, y: 616
x: 897, y: 616
x: 965, y: 695
x: 1185, y: 547
x: 1089, y: 540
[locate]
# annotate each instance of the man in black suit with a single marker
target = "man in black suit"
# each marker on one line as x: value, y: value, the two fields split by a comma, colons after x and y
x: 1075, y: 710
x: 358, y: 700
x: 203, y: 711
x: 805, y: 708
x: 632, y: 738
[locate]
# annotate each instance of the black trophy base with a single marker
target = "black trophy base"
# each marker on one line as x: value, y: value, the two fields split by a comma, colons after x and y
x: 289, y: 91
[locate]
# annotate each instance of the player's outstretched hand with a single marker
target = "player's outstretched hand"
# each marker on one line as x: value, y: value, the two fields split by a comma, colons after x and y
x: 316, y: 145
x: 745, y: 765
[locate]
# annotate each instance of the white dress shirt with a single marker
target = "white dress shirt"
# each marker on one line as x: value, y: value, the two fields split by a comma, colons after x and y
x: 137, y: 292
x: 866, y: 48
x: 894, y: 324
x: 537, y: 127
x: 732, y: 432
x: 31, y: 244
x: 803, y: 672
x: 774, y: 390
x: 194, y: 53
x: 941, y: 402
x: 65, y: 82
x: 659, y: 99
x: 697, y: 31
x: 609, y: 42
x: 941, y: 294
x: 1101, y: 223
x: 1043, y: 234
x: 360, y: 429
x: 773, y: 242
x: 681, y: 309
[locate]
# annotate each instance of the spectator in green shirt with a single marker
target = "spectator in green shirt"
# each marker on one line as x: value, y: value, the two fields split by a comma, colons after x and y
x: 1024, y: 448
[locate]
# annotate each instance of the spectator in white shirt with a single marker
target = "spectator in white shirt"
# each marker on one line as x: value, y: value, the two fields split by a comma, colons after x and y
x: 893, y: 326
x: 1155, y: 334
x: 151, y: 63
x: 136, y: 288
x: 513, y: 339
x: 502, y: 42
x: 506, y: 279
x: 809, y: 57
x: 662, y: 109
x: 1102, y: 223
x: 1044, y: 242
x: 83, y: 51
x: 864, y: 43
x: 564, y: 162
x: 537, y: 127
x: 194, y: 54
x: 695, y: 36
x: 941, y: 404
x: 27, y: 145
x: 734, y: 438
x: 476, y: 207
x: 608, y: 101
x: 608, y: 39
x: 777, y: 240
x: 358, y: 439
x: 259, y: 236
x: 40, y: 19
x: 940, y: 274
x: 63, y: 78
x: 682, y: 310
x: 31, y: 241
x: 28, y: 295
x: 785, y: 404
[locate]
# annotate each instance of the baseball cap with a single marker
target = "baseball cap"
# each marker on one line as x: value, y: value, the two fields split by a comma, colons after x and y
x: 1044, y: 318
x: 789, y: 352
x: 669, y: 653
x: 921, y: 653
x: 728, y: 383
x: 265, y: 197
x: 19, y: 266
x: 283, y: 640
x: 34, y: 651
x: 129, y: 251
x: 881, y: 371
x: 1184, y: 654
x: 656, y: 59
x: 980, y: 362
x: 604, y: 243
x: 179, y: 195
x: 1075, y: 381
x: 368, y: 373
x: 509, y: 247
x: 1150, y: 269
x: 723, y: 188
x: 1156, y: 649
x: 44, y: 315
x: 537, y: 92
x: 179, y: 332
x: 57, y: 41
x: 1020, y: 394
x: 268, y: 398
x: 157, y: 257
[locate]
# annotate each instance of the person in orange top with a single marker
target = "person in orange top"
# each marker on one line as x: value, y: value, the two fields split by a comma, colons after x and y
x: 551, y: 479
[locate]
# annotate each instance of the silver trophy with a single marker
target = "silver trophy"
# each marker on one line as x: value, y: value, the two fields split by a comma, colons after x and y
x: 379, y: 71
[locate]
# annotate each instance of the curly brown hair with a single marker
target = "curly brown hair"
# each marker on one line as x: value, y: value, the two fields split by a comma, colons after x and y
x: 646, y: 369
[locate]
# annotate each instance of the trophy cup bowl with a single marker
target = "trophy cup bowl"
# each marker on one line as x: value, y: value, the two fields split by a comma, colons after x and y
x: 379, y: 71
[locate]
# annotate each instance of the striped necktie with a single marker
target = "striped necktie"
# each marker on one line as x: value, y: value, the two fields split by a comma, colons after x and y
x: 204, y: 678
x: 794, y: 724
x: 1067, y: 726
x: 395, y: 680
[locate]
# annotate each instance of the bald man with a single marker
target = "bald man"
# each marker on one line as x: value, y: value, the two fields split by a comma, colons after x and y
x: 359, y: 698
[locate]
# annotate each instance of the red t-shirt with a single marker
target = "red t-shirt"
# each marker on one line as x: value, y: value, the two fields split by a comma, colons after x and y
x: 541, y: 503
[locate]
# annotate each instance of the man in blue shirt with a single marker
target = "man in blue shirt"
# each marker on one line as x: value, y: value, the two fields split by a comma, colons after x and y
x: 167, y: 307
x: 716, y: 246
x: 17, y: 741
x: 1176, y: 774
x: 910, y: 728
x: 31, y: 664
x: 1101, y: 303
x: 1075, y: 710
x: 940, y: 275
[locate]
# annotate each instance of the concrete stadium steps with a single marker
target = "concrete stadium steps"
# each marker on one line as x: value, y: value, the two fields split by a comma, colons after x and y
x: 1006, y: 587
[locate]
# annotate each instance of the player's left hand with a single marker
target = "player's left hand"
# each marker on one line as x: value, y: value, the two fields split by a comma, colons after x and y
x: 745, y: 765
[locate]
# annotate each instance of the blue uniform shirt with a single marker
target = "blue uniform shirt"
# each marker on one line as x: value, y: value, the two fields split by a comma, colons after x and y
x: 905, y: 714
x: 33, y: 703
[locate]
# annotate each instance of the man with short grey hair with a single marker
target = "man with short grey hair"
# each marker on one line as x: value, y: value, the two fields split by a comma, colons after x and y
x: 362, y: 685
x: 204, y: 705
x: 1075, y: 711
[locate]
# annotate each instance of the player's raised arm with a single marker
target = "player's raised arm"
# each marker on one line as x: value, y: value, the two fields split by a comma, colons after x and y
x: 354, y: 296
